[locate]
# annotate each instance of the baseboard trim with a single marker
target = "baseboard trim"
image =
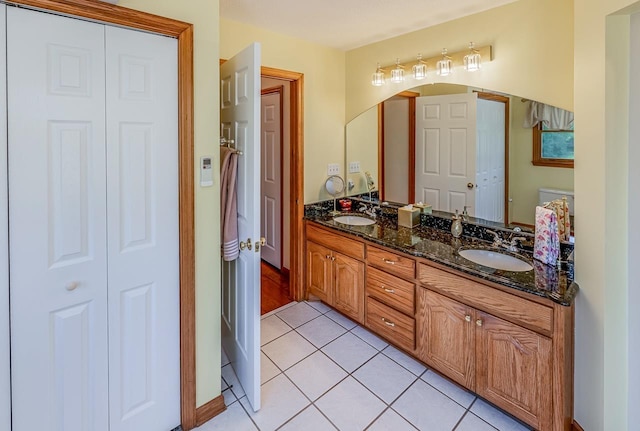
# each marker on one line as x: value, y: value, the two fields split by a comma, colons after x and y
x: 210, y: 410
x: 575, y: 426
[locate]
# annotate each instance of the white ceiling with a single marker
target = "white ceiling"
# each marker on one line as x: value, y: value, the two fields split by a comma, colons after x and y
x: 348, y: 24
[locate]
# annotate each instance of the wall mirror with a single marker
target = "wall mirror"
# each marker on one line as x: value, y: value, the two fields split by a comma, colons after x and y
x: 454, y: 146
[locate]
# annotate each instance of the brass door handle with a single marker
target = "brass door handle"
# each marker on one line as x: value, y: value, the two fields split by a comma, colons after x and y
x: 246, y: 245
x: 479, y: 322
x: 469, y: 186
x: 387, y: 289
x: 390, y: 262
x: 467, y: 318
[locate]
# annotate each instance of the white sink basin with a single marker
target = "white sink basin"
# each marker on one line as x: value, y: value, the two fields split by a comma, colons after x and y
x: 354, y: 220
x: 495, y: 259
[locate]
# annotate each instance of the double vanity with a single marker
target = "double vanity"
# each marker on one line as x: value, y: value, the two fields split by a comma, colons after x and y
x: 505, y: 334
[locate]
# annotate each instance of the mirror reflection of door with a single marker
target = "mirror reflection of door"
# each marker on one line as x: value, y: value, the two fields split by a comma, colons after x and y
x: 449, y: 151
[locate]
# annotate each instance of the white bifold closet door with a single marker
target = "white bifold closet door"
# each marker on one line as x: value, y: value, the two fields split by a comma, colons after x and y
x: 93, y: 225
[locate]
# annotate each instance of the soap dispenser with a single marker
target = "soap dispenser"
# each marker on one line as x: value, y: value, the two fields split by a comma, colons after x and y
x: 456, y: 225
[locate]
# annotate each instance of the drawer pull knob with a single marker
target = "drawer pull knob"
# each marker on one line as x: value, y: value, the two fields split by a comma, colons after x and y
x: 387, y: 322
x: 387, y: 289
x: 467, y: 318
x: 328, y: 257
x: 390, y: 262
x: 479, y: 322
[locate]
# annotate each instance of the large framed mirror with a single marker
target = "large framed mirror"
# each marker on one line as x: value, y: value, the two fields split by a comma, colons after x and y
x: 454, y: 146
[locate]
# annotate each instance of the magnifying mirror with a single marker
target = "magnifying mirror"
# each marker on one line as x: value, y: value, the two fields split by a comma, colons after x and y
x: 334, y: 186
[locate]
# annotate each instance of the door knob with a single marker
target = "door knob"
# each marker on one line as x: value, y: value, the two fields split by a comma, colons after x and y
x: 469, y: 186
x: 246, y: 245
x: 73, y: 285
x: 479, y: 322
x: 259, y: 243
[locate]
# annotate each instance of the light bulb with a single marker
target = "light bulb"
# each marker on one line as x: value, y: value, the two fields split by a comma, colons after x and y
x: 472, y: 60
x: 444, y: 66
x: 378, y: 77
x: 420, y: 69
x: 397, y: 74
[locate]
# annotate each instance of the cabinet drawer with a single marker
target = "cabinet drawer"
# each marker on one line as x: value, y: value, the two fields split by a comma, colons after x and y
x: 335, y: 241
x: 510, y: 307
x: 391, y: 290
x: 391, y: 324
x: 391, y: 262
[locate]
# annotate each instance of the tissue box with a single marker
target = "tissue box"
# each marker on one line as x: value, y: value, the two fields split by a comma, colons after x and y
x: 408, y: 216
x: 424, y: 208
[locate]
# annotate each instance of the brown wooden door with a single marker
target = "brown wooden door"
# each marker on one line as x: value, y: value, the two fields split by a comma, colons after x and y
x: 319, y: 263
x: 448, y: 337
x: 514, y: 369
x: 348, y: 293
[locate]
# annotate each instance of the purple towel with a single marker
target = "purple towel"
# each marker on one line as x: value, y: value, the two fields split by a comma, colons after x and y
x: 228, y: 204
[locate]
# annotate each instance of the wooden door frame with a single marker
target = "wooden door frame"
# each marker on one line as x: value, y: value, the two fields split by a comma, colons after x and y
x: 279, y: 90
x: 183, y: 32
x: 296, y: 171
x: 296, y: 180
x: 505, y: 100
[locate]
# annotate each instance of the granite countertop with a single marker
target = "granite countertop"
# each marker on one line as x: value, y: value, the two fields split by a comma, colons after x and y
x: 440, y: 246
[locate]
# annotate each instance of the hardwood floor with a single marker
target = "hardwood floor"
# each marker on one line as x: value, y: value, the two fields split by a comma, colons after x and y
x: 274, y: 288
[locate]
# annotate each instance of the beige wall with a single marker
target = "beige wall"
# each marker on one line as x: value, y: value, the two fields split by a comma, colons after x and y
x: 524, y: 178
x: 532, y: 43
x: 203, y: 14
x: 324, y: 94
x: 601, y: 178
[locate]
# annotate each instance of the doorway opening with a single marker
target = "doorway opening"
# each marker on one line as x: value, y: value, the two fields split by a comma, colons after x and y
x: 280, y: 140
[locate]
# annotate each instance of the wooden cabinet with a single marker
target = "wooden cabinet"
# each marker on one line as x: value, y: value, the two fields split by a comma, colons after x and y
x: 334, y: 277
x: 504, y: 363
x: 512, y: 348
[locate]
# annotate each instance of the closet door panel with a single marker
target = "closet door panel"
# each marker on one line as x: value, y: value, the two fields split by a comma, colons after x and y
x: 57, y: 222
x: 142, y: 206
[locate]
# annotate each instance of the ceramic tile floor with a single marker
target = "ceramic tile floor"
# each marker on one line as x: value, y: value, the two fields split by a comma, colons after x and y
x: 321, y: 371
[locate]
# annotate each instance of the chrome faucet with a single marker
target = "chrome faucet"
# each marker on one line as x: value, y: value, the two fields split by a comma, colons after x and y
x: 510, y: 245
x: 365, y: 209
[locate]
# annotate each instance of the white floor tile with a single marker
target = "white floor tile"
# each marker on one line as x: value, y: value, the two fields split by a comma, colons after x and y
x: 271, y: 328
x: 229, y: 397
x: 321, y: 331
x: 223, y: 384
x: 298, y: 315
x: 268, y: 369
x: 472, y: 422
x: 230, y: 376
x: 281, y: 401
x: 224, y: 359
x: 277, y: 310
x: 384, y: 377
x: 391, y: 421
x: 320, y: 306
x: 315, y: 375
x: 341, y: 320
x: 350, y: 406
x: 368, y: 336
x: 405, y: 360
x: 349, y: 351
x: 428, y: 409
x: 450, y: 389
x: 233, y: 418
x: 310, y: 419
x: 288, y: 349
x: 496, y: 418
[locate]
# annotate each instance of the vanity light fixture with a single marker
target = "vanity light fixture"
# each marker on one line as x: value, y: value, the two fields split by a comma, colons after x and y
x: 378, y: 77
x: 472, y: 60
x: 420, y: 69
x: 443, y: 67
x: 397, y: 73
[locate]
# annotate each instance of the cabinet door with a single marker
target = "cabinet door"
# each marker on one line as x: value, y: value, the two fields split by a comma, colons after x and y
x: 448, y: 337
x: 348, y: 292
x: 514, y: 369
x: 319, y: 272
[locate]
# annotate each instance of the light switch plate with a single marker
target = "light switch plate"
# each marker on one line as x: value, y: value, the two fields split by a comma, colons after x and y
x: 354, y: 167
x: 333, y: 169
x: 206, y: 172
